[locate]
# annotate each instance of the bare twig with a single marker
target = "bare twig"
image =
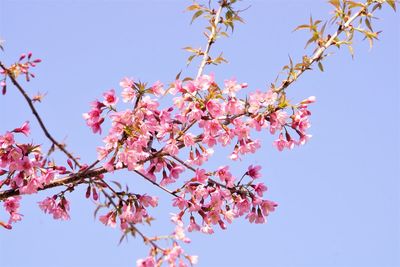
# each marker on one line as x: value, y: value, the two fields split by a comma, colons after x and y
x: 318, y: 54
x: 211, y: 40
x: 38, y: 118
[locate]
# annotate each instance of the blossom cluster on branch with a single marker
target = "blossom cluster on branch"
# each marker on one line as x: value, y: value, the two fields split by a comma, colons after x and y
x: 168, y: 146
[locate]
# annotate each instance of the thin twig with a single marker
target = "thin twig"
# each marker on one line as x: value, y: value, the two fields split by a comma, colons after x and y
x: 75, y: 178
x: 318, y: 54
x: 37, y: 116
x: 211, y: 40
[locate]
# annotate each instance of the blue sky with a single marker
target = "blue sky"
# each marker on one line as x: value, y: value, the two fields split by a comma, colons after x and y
x: 338, y: 196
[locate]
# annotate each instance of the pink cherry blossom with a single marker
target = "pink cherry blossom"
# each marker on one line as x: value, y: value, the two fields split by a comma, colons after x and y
x: 254, y: 171
x: 24, y: 129
x: 110, y: 99
x: 147, y: 262
x: 128, y: 93
x: 201, y: 176
x: 214, y: 108
x: 188, y: 139
x: 6, y: 140
x: 260, y: 188
x: 59, y: 210
x: 280, y: 143
x: 109, y: 219
x: 157, y: 88
x: 11, y: 204
x: 148, y: 201
x: 231, y: 87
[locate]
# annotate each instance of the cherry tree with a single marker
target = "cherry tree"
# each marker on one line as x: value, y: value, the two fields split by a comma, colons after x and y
x: 165, y: 132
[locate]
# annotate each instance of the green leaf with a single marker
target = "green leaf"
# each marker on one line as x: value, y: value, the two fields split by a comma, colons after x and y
x: 224, y: 34
x: 190, y: 49
x: 124, y: 236
x: 335, y: 3
x: 392, y: 4
x: 178, y: 75
x: 351, y: 51
x: 189, y: 60
x: 353, y: 4
x: 321, y: 68
x: 302, y: 27
x: 196, y: 15
x: 323, y: 29
x: 193, y: 7
x: 368, y: 23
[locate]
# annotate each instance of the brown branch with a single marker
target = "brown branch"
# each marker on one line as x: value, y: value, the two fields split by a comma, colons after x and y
x: 211, y: 40
x: 318, y: 54
x: 37, y: 116
x: 76, y: 178
x: 157, y: 184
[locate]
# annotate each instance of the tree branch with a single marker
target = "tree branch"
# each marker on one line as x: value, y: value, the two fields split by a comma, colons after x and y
x: 75, y: 178
x: 211, y: 40
x: 318, y: 54
x: 37, y: 116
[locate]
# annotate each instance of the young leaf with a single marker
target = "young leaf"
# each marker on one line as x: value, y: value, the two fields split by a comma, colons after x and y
x: 321, y: 68
x: 189, y: 60
x: 368, y: 23
x: 302, y: 27
x: 193, y: 7
x: 335, y: 3
x: 392, y: 4
x: 196, y: 15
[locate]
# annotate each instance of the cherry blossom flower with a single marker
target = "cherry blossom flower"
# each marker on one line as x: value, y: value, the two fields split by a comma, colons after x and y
x: 254, y: 171
x: 147, y: 262
x: 109, y: 219
x: 24, y: 129
x: 157, y: 88
x: 59, y: 210
x: 231, y: 87
x: 110, y: 99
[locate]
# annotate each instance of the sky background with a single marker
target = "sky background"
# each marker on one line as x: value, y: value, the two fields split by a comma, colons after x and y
x: 338, y: 195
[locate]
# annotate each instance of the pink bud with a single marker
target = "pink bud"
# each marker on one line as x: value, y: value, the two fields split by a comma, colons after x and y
x: 88, y: 192
x: 37, y: 60
x: 288, y: 138
x: 6, y: 225
x: 69, y: 161
x: 29, y: 55
x: 95, y: 195
x: 22, y: 57
x: 83, y: 167
x: 309, y: 100
x: 222, y: 224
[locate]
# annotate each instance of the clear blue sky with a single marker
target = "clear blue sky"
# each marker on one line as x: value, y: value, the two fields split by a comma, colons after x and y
x: 338, y: 195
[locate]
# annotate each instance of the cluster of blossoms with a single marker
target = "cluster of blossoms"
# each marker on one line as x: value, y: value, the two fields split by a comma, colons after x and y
x: 59, y: 209
x: 131, y: 211
x: 24, y: 169
x: 11, y: 205
x: 23, y: 66
x: 163, y: 144
x: 160, y: 144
